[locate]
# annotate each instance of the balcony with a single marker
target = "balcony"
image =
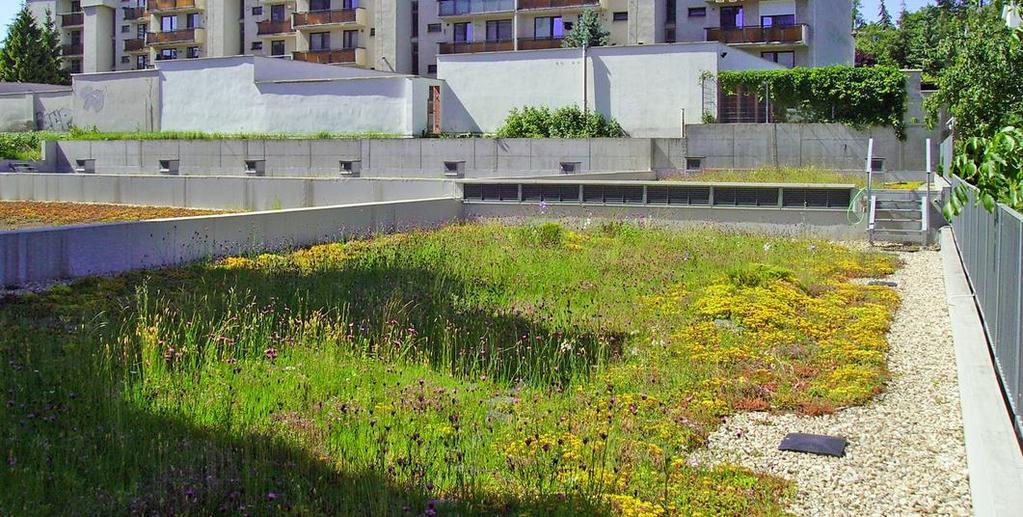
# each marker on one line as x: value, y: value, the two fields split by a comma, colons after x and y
x: 167, y: 6
x: 134, y: 13
x: 336, y: 17
x: 134, y: 45
x: 525, y: 5
x: 269, y: 27
x: 176, y: 37
x: 337, y: 56
x: 72, y: 19
x: 466, y: 7
x: 476, y: 46
x: 539, y: 43
x: 759, y: 35
x: 74, y: 49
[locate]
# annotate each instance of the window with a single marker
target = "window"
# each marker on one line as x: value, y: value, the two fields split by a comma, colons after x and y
x: 276, y: 48
x: 192, y: 20
x: 76, y: 7
x: 125, y: 60
x: 431, y: 69
x: 257, y: 11
x: 125, y: 29
x: 76, y: 37
x: 350, y: 39
x: 168, y: 23
x: 778, y: 20
x: 669, y: 34
x: 372, y: 31
x: 140, y: 62
x: 697, y: 12
x: 257, y: 45
x: 548, y: 27
x: 433, y: 27
x: 140, y: 31
x: 319, y: 5
x: 694, y: 164
x: 192, y: 52
x: 277, y: 12
x: 319, y: 41
x: 463, y: 32
x: 76, y: 66
x: 732, y: 17
x: 499, y: 30
x: 620, y: 16
x: 350, y: 4
x: 167, y: 53
x: 786, y: 59
x: 415, y: 20
x: 670, y: 11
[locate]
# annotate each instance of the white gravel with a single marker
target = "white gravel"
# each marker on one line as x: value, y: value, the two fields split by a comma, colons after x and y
x: 906, y: 454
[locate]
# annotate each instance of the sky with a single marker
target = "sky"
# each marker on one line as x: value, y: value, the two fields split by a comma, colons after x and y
x: 9, y: 7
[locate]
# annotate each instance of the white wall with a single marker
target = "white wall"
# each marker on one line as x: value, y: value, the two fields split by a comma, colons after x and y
x: 831, y: 41
x: 16, y: 112
x: 118, y: 101
x: 644, y: 87
x: 54, y: 111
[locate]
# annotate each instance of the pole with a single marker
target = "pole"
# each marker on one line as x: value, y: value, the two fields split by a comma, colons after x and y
x: 584, y: 76
x: 927, y: 197
x: 870, y: 192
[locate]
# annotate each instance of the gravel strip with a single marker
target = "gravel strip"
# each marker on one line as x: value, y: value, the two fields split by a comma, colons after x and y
x: 906, y: 452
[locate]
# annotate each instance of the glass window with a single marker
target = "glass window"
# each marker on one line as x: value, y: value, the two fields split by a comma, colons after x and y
x: 192, y: 52
x: 168, y: 23
x: 463, y: 32
x: 277, y: 13
x: 319, y: 41
x: 76, y: 6
x: 350, y: 39
x: 257, y: 45
x: 277, y: 48
x: 76, y: 37
x: 192, y: 20
x: 431, y: 69
x: 620, y: 16
x: 125, y: 60
x: 548, y: 27
x: 141, y: 31
x: 167, y: 53
x: 319, y: 5
x: 76, y: 66
x: 499, y: 30
x: 140, y: 62
x: 778, y: 20
x: 786, y: 59
x: 257, y: 11
x: 125, y: 29
x: 731, y: 17
x: 697, y: 12
x: 350, y: 4
x: 433, y: 27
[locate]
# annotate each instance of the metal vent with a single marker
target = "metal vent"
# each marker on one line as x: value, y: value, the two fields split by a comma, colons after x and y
x: 85, y: 166
x: 500, y: 192
x: 815, y: 198
x: 169, y: 166
x: 677, y: 195
x: 454, y: 169
x: 472, y: 191
x: 728, y: 196
x: 613, y: 194
x: 571, y: 167
x: 349, y: 167
x: 255, y: 167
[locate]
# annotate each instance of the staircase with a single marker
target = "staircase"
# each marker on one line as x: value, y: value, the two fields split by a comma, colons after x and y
x: 898, y: 216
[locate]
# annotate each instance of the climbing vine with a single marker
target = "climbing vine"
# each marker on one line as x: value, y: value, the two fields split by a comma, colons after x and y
x: 860, y: 97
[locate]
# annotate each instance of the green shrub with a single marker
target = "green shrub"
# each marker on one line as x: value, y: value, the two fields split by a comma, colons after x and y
x: 860, y: 97
x: 758, y: 275
x: 19, y: 146
x: 545, y: 235
x: 564, y: 122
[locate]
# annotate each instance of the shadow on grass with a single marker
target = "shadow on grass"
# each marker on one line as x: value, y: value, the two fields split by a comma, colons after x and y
x: 77, y: 439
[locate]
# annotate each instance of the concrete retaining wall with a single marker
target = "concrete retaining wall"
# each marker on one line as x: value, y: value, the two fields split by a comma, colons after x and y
x: 224, y: 193
x: 748, y: 146
x: 43, y: 255
x: 394, y: 158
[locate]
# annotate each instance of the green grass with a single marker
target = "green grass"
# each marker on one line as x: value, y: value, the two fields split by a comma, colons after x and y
x: 475, y: 369
x: 777, y: 175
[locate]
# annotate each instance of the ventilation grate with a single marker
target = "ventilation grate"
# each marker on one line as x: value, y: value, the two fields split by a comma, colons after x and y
x: 728, y: 196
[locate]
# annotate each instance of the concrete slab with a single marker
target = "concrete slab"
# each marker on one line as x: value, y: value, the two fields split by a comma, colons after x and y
x: 993, y: 453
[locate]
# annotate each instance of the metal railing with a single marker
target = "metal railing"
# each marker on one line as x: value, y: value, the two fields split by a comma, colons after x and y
x: 469, y: 47
x: 274, y: 27
x: 539, y: 43
x: 336, y: 16
x: 991, y: 246
x: 555, y: 4
x: 72, y: 19
x: 461, y: 7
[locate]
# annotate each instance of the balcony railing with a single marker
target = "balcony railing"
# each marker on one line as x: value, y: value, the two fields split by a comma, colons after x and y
x: 476, y: 46
x: 555, y: 4
x: 327, y: 57
x: 463, y: 7
x: 178, y: 36
x: 171, y: 5
x: 134, y: 13
x: 72, y: 19
x: 134, y: 45
x: 337, y: 16
x: 273, y: 27
x: 758, y: 34
x: 73, y: 49
x: 539, y: 43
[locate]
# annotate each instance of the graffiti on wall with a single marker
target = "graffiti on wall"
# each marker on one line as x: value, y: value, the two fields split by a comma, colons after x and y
x: 59, y: 119
x: 93, y: 99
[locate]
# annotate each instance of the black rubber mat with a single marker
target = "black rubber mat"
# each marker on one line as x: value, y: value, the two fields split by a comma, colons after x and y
x: 814, y: 444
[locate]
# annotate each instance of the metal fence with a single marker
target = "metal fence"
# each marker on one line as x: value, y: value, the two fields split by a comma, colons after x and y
x: 991, y: 245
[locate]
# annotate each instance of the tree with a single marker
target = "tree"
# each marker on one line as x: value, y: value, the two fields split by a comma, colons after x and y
x: 31, y: 54
x: 857, y: 15
x: 981, y: 88
x: 588, y: 32
x: 884, y: 17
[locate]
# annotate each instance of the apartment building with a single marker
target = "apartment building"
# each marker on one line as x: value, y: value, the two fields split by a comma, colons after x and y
x: 788, y: 32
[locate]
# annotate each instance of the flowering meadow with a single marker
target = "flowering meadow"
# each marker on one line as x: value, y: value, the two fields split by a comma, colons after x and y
x: 475, y: 369
x: 16, y: 215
